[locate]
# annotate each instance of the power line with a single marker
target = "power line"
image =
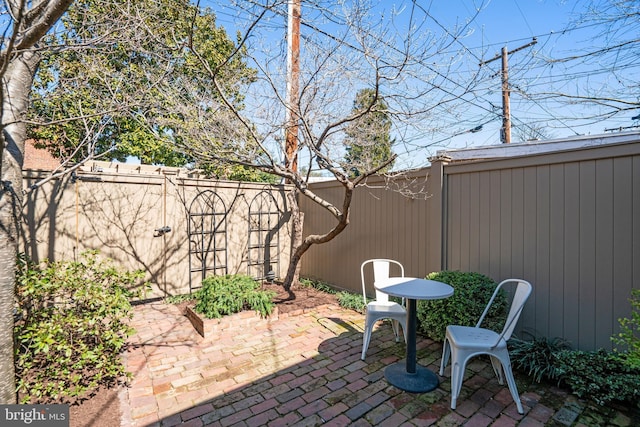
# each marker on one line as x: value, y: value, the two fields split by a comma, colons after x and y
x: 480, y: 100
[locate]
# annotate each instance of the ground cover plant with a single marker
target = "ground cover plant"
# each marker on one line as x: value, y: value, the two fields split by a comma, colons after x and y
x: 601, y: 376
x: 538, y: 357
x: 318, y: 284
x: 71, y: 326
x: 352, y: 301
x: 345, y: 299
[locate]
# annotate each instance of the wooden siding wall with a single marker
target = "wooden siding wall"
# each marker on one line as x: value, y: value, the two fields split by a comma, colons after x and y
x: 567, y: 222
x: 383, y: 224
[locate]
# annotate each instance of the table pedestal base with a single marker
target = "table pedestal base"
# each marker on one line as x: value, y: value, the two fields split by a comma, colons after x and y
x: 422, y: 381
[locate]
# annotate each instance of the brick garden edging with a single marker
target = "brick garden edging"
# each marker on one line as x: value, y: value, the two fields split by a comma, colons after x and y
x: 207, y: 327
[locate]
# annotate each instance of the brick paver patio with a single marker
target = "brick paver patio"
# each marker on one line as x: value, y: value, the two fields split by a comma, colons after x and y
x: 304, y: 369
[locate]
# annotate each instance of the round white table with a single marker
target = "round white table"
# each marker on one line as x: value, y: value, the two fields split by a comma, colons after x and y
x: 408, y: 375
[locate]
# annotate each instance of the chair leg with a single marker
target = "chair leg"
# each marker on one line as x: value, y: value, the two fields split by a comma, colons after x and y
x: 395, y: 325
x: 368, y: 329
x: 497, y: 369
x: 445, y: 356
x: 404, y: 331
x: 506, y: 366
x: 366, y: 337
x: 457, y: 376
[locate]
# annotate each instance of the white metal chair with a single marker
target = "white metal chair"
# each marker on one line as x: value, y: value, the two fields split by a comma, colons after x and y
x: 381, y: 307
x: 465, y: 342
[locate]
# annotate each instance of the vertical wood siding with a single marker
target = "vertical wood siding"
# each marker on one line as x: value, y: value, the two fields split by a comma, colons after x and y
x: 567, y: 222
x: 383, y: 224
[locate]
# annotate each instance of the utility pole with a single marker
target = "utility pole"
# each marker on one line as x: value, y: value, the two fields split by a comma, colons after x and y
x: 293, y: 85
x: 505, y: 132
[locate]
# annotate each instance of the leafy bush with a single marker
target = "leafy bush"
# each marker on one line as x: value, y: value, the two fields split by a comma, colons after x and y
x: 599, y: 375
x: 71, y: 327
x: 232, y: 293
x: 537, y: 357
x: 472, y: 292
x: 629, y: 337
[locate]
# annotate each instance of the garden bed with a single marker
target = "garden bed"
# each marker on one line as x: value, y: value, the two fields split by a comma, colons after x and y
x: 298, y: 301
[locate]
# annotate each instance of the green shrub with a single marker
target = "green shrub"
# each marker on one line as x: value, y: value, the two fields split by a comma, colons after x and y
x: 71, y: 327
x: 537, y: 357
x: 223, y: 295
x: 599, y: 375
x: 472, y: 292
x: 629, y: 337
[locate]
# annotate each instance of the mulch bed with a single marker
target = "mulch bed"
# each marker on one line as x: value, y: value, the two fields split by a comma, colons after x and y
x: 102, y: 409
x: 301, y: 298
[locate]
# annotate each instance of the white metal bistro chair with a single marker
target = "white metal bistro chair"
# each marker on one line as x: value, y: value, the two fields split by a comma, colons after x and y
x: 465, y: 342
x: 381, y: 307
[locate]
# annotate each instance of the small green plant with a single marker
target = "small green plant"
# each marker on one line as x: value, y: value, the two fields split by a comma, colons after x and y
x: 177, y: 299
x: 472, y: 292
x: 351, y: 301
x: 538, y: 357
x: 600, y: 376
x: 71, y: 327
x: 629, y: 336
x: 319, y: 285
x: 223, y: 295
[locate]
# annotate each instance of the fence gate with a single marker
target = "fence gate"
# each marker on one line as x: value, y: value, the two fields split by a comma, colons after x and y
x: 207, y: 232
x: 263, y: 257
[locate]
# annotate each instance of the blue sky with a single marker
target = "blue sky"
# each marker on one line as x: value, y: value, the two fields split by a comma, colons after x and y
x: 510, y: 23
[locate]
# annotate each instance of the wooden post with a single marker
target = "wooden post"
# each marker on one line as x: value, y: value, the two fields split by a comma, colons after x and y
x: 436, y: 259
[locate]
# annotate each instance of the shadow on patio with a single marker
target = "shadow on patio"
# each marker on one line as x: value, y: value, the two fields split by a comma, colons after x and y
x: 306, y: 370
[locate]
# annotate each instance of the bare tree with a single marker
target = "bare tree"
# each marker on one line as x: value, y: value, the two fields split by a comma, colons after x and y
x: 404, y: 58
x: 532, y: 132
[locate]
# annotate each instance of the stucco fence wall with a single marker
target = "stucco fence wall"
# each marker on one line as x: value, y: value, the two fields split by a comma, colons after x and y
x: 118, y: 209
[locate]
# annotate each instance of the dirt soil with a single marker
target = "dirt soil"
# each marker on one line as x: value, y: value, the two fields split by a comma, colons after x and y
x: 301, y: 298
x: 103, y: 408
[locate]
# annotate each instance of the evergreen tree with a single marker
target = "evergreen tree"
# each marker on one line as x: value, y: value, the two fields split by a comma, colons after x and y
x: 368, y: 141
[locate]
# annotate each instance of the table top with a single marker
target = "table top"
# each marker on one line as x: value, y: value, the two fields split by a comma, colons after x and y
x: 414, y: 288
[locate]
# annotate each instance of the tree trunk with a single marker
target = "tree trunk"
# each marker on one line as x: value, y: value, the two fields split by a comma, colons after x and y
x: 300, y: 245
x: 297, y: 219
x: 16, y: 85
